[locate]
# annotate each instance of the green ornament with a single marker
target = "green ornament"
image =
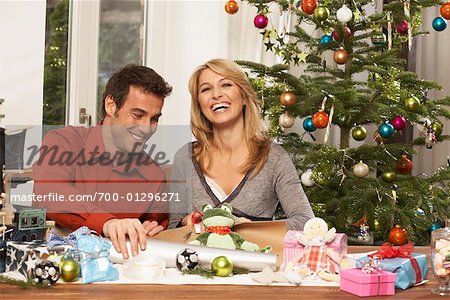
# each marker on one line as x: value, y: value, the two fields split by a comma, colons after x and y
x: 389, y: 176
x: 321, y: 13
x: 222, y: 266
x: 378, y: 38
x: 437, y: 127
x: 69, y: 269
x: 412, y: 103
x: 359, y: 133
x: 377, y: 225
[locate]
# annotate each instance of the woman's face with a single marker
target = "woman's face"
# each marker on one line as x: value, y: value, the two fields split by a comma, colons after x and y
x: 220, y: 99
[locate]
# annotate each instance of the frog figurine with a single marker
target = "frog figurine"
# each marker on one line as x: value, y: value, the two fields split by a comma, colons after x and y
x: 218, y: 222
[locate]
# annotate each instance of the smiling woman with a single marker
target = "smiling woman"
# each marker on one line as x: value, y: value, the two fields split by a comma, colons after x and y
x: 233, y: 160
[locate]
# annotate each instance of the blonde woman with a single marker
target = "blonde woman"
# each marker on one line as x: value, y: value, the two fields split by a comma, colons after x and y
x: 233, y: 160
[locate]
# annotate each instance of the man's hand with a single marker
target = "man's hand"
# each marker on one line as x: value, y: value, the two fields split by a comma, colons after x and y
x: 152, y: 228
x: 119, y: 229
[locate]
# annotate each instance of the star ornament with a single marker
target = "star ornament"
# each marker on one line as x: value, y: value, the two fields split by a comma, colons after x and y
x: 302, y: 56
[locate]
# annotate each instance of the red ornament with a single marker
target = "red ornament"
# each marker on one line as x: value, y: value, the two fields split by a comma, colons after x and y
x: 402, y: 27
x: 260, y: 21
x: 336, y: 37
x: 398, y: 236
x: 445, y: 10
x: 308, y: 6
x: 404, y: 165
x: 320, y: 119
x: 231, y: 7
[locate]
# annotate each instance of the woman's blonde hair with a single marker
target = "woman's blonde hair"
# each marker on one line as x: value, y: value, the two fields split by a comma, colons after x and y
x: 257, y: 140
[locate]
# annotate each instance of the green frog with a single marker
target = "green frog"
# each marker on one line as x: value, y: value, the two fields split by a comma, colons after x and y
x: 218, y: 222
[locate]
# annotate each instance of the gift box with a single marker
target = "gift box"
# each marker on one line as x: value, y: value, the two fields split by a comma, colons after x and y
x: 22, y: 257
x: 377, y: 283
x: 410, y: 269
x: 292, y: 247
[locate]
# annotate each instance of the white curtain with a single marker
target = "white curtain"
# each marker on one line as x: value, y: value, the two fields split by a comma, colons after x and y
x: 433, y: 63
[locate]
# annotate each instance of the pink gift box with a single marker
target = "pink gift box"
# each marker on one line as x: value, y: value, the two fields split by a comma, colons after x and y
x: 292, y: 247
x: 362, y: 284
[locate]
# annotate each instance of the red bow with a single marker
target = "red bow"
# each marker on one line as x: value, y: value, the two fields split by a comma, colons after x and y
x: 196, y: 217
x: 387, y: 251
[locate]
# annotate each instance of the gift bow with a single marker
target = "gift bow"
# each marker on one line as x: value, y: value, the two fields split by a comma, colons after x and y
x: 55, y: 240
x: 372, y: 265
x: 387, y: 251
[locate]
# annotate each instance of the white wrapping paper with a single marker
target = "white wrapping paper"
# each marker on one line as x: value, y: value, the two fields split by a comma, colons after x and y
x: 253, y: 261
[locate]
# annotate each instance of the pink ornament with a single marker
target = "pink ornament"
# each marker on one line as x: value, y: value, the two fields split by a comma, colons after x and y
x: 402, y: 27
x: 398, y: 122
x: 335, y: 34
x: 260, y: 21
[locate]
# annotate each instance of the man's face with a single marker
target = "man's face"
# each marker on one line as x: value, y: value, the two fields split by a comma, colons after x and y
x: 135, y: 122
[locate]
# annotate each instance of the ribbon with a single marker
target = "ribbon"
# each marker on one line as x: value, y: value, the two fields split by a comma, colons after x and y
x: 55, y: 240
x: 222, y: 230
x: 405, y: 251
x: 373, y: 266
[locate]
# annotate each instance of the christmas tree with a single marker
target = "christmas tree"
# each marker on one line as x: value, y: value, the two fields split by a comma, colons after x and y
x: 364, y: 191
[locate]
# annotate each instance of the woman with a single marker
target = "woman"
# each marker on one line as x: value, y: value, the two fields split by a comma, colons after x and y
x: 233, y: 160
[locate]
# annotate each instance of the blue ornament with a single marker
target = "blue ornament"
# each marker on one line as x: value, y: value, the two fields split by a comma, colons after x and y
x: 386, y: 130
x: 435, y: 226
x: 439, y: 24
x: 308, y: 124
x: 325, y: 40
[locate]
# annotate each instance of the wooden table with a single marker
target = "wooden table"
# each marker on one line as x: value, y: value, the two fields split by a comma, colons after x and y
x: 247, y: 292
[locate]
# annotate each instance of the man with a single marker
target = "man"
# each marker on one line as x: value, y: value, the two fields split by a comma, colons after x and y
x: 102, y: 172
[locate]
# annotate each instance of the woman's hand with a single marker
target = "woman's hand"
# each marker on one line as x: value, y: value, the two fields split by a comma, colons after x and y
x: 119, y: 229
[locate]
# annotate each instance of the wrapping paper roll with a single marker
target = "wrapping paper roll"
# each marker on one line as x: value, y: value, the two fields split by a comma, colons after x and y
x: 253, y: 261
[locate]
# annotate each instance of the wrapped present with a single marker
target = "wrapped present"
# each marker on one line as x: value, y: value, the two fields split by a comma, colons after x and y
x: 410, y: 268
x: 22, y: 257
x: 363, y: 284
x: 292, y: 247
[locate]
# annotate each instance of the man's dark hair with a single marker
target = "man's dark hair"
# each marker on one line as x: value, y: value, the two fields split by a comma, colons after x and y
x: 144, y: 77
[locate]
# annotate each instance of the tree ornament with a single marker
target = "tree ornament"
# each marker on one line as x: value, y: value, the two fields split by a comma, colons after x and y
x: 187, y: 259
x: 377, y: 225
x: 378, y: 38
x: 286, y: 120
x: 445, y: 10
x: 46, y: 273
x: 437, y: 128
x: 320, y: 119
x: 398, y: 122
x: 386, y: 130
x: 361, y: 169
x: 404, y: 165
x: 222, y: 266
x: 325, y: 39
x: 435, y: 225
x: 306, y: 178
x: 412, y: 103
x: 308, y: 6
x: 321, y: 13
x: 378, y: 138
x: 231, y: 7
x: 69, y: 269
x: 308, y: 124
x: 389, y: 176
x: 430, y: 138
x: 344, y: 14
x: 260, y: 21
x: 402, y: 27
x: 439, y: 24
x: 340, y: 56
x: 359, y: 133
x: 288, y: 98
x: 398, y: 236
x: 336, y: 36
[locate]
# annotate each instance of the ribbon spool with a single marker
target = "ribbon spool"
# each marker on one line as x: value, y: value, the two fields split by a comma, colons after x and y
x: 144, y: 267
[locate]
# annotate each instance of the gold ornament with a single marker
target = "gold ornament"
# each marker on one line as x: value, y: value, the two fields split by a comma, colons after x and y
x: 389, y: 176
x: 412, y: 103
x: 321, y: 13
x: 377, y: 225
x: 340, y: 56
x: 359, y: 133
x: 222, y: 266
x: 288, y: 98
x: 361, y: 169
x: 437, y: 128
x: 286, y: 120
x: 69, y: 269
